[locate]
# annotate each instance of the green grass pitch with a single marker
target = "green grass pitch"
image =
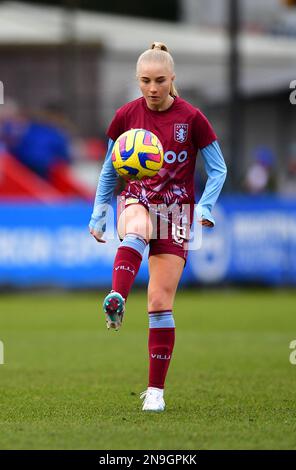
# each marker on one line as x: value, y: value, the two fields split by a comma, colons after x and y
x: 68, y: 383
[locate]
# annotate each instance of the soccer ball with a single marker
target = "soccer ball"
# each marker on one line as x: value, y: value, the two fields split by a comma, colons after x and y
x: 137, y: 154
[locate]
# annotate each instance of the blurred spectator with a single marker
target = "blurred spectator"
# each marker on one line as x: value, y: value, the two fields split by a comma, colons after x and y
x: 288, y: 185
x: 12, y: 125
x: 44, y: 142
x: 260, y: 177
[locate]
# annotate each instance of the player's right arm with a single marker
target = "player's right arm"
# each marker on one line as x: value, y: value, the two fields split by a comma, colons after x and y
x: 105, y: 189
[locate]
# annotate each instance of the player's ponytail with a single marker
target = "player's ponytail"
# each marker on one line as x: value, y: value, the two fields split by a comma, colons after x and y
x: 159, y: 52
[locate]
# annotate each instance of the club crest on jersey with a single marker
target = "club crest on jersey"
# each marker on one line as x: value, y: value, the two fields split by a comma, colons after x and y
x: 181, y: 132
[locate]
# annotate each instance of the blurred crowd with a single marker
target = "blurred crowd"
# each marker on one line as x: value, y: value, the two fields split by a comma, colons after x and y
x: 44, y: 138
x: 47, y: 143
x: 268, y: 173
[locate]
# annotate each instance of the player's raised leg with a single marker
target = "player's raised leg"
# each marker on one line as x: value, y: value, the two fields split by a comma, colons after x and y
x: 135, y: 229
x: 161, y: 293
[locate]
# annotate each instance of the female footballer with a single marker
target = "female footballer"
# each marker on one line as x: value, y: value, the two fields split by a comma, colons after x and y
x: 183, y: 130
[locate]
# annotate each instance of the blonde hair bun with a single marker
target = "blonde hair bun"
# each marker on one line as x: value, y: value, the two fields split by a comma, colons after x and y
x: 159, y: 45
x: 158, y: 52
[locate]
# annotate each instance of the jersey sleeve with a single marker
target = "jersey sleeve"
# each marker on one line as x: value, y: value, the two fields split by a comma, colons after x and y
x: 106, y: 185
x: 116, y: 127
x: 202, y: 131
x: 216, y: 170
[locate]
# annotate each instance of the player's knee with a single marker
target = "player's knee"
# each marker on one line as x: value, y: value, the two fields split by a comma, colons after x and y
x: 136, y: 221
x: 141, y: 229
x: 160, y: 299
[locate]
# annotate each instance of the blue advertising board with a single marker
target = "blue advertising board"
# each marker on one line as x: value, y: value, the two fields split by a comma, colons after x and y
x: 254, y: 240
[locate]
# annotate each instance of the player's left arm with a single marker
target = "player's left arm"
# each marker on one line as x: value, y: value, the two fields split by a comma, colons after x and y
x: 216, y: 171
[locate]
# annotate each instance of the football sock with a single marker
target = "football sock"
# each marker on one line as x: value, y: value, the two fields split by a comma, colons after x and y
x: 127, y: 263
x: 160, y: 345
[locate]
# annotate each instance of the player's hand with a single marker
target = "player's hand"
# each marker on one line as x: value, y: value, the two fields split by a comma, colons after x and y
x: 97, y: 235
x: 206, y: 223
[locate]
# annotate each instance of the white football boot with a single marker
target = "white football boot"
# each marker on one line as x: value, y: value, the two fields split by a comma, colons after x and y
x: 153, y: 399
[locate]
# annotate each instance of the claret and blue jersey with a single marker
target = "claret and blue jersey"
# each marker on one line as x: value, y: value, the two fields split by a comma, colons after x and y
x: 183, y: 130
